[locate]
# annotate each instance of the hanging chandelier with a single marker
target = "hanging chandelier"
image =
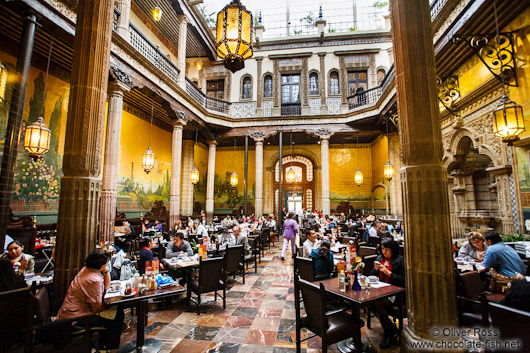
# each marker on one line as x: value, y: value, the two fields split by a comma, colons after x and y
x: 38, y: 136
x: 290, y: 176
x: 157, y: 12
x: 234, y: 179
x: 148, y: 158
x: 234, y: 35
x: 3, y: 83
x: 358, y: 178
x: 194, y: 175
x: 388, y: 169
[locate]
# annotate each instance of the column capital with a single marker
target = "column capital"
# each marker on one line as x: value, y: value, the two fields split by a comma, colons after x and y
x: 212, y: 143
x: 259, y: 59
x: 322, y: 133
x: 258, y: 136
x: 183, y: 19
x: 180, y: 120
x: 322, y: 55
x: 117, y: 88
x: 120, y: 76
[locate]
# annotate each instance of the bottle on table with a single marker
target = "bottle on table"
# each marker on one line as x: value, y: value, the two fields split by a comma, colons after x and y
x: 342, y: 281
x: 136, y: 281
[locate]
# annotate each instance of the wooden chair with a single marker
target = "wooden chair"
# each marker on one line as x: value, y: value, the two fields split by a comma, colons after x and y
x: 210, y: 280
x: 366, y: 250
x: 305, y: 268
x: 472, y: 304
x: 374, y: 241
x: 234, y: 260
x: 300, y: 251
x: 512, y: 323
x: 369, y: 264
x: 265, y: 239
x: 16, y: 310
x: 254, y: 250
x: 332, y: 326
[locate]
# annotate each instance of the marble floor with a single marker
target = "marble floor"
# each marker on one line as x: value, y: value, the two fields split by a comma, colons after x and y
x: 259, y: 317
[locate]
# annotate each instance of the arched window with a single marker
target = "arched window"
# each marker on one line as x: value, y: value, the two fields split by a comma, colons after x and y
x: 334, y: 82
x: 247, y: 88
x: 380, y: 76
x: 313, y: 83
x: 267, y: 86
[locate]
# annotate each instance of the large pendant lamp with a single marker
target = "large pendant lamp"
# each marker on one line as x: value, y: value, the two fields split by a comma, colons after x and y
x: 291, y: 175
x: 3, y: 83
x: 194, y: 175
x: 358, y: 174
x: 234, y: 179
x: 38, y: 136
x: 234, y: 35
x: 148, y: 158
x: 508, y: 120
x: 388, y: 169
x: 157, y: 12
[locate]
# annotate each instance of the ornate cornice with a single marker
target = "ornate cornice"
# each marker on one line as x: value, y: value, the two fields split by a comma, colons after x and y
x: 120, y: 75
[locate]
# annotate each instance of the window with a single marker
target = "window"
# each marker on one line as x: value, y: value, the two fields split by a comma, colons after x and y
x: 290, y: 89
x: 380, y: 76
x: 247, y: 88
x: 267, y: 86
x: 309, y: 199
x: 357, y: 82
x: 334, y: 82
x: 313, y: 83
x: 215, y: 89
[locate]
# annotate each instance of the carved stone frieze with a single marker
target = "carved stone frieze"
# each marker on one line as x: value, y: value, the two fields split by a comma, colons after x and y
x: 120, y: 75
x: 257, y: 135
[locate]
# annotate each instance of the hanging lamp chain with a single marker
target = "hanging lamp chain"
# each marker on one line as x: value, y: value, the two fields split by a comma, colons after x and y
x: 497, y: 39
x: 46, y: 78
x: 152, y: 111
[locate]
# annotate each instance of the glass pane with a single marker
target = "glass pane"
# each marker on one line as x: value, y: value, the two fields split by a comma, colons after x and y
x: 267, y: 91
x: 295, y: 93
x: 313, y: 84
x: 285, y: 94
x: 245, y: 26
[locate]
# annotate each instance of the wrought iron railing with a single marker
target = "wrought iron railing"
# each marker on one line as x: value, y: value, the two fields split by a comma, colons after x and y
x: 150, y: 51
x: 211, y: 103
x: 364, y: 98
x: 390, y: 75
x: 291, y: 109
x: 436, y: 7
x: 115, y: 18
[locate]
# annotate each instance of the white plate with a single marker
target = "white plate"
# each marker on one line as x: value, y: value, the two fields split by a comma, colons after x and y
x: 373, y: 279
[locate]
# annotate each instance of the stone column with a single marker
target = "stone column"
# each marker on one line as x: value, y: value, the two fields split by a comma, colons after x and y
x: 123, y: 21
x: 186, y: 207
x: 323, y: 88
x: 396, y: 205
x: 258, y: 203
x: 431, y: 297
x: 109, y: 185
x: 78, y: 202
x: 259, y: 82
x: 176, y: 158
x: 324, y: 152
x: 268, y: 191
x: 210, y: 181
x: 181, y: 60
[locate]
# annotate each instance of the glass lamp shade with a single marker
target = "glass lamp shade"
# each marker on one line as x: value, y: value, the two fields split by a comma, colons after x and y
x: 148, y: 160
x: 194, y: 175
x: 290, y: 176
x: 3, y: 83
x: 37, y: 139
x: 234, y: 179
x: 198, y: 65
x: 389, y: 171
x: 358, y: 177
x: 234, y: 35
x: 157, y: 13
x: 508, y: 120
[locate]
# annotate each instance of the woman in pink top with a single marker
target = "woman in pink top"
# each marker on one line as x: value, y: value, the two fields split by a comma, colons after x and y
x: 290, y: 227
x: 85, y: 297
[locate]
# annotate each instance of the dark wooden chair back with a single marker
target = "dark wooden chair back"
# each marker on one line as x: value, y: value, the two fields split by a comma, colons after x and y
x: 234, y: 257
x: 374, y: 241
x: 347, y: 240
x: 210, y: 274
x: 366, y: 250
x: 314, y: 297
x: 16, y: 310
x: 42, y: 307
x: 305, y: 268
x: 512, y: 323
x: 300, y: 251
x: 471, y: 285
x: 369, y: 264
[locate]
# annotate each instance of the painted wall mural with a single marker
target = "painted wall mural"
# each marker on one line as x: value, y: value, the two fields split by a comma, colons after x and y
x: 200, y: 155
x: 523, y: 172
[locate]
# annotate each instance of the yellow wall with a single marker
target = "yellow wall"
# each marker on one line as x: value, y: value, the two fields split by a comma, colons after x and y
x: 379, y: 159
x: 201, y: 162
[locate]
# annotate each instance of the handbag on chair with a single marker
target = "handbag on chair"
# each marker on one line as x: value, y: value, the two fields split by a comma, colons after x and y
x: 500, y: 283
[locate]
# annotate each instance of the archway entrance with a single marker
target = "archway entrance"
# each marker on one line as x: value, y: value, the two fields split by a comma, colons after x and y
x: 300, y: 193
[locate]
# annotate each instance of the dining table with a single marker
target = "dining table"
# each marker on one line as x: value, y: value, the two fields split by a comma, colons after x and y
x: 140, y: 301
x: 358, y: 299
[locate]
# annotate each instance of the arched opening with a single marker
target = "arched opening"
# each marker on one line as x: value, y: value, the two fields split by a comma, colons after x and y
x: 298, y: 194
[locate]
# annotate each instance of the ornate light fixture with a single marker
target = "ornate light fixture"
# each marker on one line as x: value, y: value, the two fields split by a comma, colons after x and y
x: 198, y: 64
x: 157, y: 13
x: 234, y: 35
x: 194, y: 175
x: 3, y: 83
x: 148, y: 158
x: 234, y: 178
x: 388, y: 169
x: 38, y: 136
x: 290, y: 176
x: 358, y: 174
x: 508, y: 120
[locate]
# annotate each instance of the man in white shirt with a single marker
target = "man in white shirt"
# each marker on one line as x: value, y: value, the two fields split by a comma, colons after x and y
x: 310, y: 243
x: 272, y: 224
x: 200, y: 229
x: 242, y: 239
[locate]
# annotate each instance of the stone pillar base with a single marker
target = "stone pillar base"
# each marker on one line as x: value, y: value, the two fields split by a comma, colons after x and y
x: 174, y: 203
x: 209, y: 209
x: 414, y: 344
x: 107, y: 214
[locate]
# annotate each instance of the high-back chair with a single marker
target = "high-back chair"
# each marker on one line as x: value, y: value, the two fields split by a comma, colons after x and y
x: 332, y: 327
x: 472, y: 304
x: 369, y: 264
x: 254, y: 250
x: 305, y: 268
x: 15, y: 315
x: 366, y: 250
x: 210, y: 280
x: 512, y: 323
x: 234, y: 261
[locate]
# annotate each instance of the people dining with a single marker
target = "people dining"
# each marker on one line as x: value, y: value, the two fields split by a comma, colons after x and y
x: 227, y: 221
x: 290, y: 227
x: 7, y: 241
x: 146, y: 226
x: 179, y: 246
x: 23, y: 264
x: 242, y: 239
x: 145, y: 254
x: 310, y: 243
x: 474, y: 248
x: 85, y: 297
x: 157, y: 226
x: 9, y: 280
x: 502, y: 257
x: 390, y: 268
x: 323, y: 259
x: 199, y: 229
x: 226, y: 239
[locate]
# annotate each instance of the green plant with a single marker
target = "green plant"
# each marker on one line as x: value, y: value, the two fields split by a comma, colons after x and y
x: 209, y: 17
x: 380, y: 4
x: 309, y: 20
x: 351, y: 29
x: 331, y: 29
x: 297, y: 32
x: 512, y: 238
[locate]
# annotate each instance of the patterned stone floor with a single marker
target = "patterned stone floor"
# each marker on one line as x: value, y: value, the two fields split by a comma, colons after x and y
x: 259, y: 317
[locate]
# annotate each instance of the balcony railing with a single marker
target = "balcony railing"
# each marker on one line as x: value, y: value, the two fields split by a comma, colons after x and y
x: 390, y: 75
x: 211, y: 103
x: 364, y: 98
x: 153, y: 54
x: 436, y: 7
x: 291, y: 109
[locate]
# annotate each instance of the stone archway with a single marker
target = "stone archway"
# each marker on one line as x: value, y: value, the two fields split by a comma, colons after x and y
x: 304, y: 185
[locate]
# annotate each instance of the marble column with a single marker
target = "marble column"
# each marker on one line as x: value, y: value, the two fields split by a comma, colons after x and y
x: 78, y: 202
x: 396, y: 206
x: 176, y: 158
x: 323, y: 88
x: 431, y: 297
x: 186, y: 206
x: 124, y: 6
x: 258, y: 200
x: 109, y: 184
x: 324, y: 153
x: 259, y: 81
x: 210, y: 179
x: 181, y: 60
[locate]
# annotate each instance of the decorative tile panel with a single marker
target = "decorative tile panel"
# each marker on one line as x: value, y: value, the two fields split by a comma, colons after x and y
x: 243, y: 110
x: 314, y: 105
x: 267, y: 108
x: 333, y: 105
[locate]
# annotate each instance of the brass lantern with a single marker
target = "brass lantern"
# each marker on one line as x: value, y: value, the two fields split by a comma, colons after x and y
x: 157, y: 13
x: 37, y: 139
x: 358, y: 177
x: 148, y: 160
x: 389, y: 170
x: 194, y: 175
x: 234, y: 179
x: 234, y: 35
x: 508, y: 120
x: 3, y: 83
x: 291, y: 176
x: 198, y: 64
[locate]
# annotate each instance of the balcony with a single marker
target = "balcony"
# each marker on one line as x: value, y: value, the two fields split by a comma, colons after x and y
x: 291, y: 109
x: 206, y: 101
x: 436, y: 7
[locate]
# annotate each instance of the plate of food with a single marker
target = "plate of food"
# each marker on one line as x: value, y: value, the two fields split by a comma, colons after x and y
x: 373, y: 279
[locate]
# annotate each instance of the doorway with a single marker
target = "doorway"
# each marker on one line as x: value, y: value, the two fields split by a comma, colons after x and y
x: 294, y: 201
